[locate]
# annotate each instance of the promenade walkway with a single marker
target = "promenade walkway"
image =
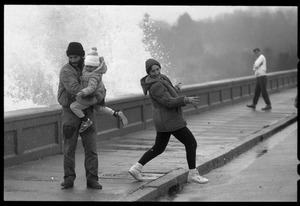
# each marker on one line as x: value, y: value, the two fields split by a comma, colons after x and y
x: 221, y: 133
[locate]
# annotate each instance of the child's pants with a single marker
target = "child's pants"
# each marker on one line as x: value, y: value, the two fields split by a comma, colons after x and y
x: 77, y: 107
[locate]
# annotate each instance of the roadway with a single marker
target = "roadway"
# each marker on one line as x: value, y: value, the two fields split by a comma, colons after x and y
x: 267, y: 172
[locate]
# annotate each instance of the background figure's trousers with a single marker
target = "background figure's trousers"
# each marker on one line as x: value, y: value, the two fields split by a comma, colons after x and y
x: 261, y: 88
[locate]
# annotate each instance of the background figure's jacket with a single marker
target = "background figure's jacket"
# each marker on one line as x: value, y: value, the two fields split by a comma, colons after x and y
x: 166, y: 104
x: 93, y: 84
x: 260, y: 66
x: 69, y: 85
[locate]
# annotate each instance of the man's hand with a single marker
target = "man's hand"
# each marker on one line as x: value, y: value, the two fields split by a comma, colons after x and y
x: 79, y: 95
x: 101, y: 59
x: 102, y: 64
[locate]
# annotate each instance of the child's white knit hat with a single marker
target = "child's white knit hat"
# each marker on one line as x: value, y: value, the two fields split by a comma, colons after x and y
x: 92, y: 58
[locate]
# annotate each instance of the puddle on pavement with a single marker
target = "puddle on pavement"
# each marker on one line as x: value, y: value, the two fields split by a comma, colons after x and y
x: 263, y: 147
x: 261, y: 153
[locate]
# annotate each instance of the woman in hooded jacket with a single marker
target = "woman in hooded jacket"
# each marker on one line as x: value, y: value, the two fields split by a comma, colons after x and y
x: 168, y: 120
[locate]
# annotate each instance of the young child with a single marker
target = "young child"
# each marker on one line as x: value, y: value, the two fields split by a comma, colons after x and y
x: 94, y: 91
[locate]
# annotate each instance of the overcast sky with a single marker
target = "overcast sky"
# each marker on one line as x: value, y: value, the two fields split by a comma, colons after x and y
x: 166, y: 13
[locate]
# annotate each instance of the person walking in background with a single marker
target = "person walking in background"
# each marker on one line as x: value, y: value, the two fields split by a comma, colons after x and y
x: 168, y: 120
x: 94, y: 92
x: 69, y: 86
x: 260, y: 69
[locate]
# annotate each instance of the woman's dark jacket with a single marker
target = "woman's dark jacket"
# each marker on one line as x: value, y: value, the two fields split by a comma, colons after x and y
x: 166, y: 104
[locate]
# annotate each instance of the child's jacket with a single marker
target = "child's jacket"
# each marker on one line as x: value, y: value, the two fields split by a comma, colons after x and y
x: 93, y: 84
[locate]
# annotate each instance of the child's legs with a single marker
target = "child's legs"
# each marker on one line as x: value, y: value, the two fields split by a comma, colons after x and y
x: 77, y: 108
x: 104, y: 110
x: 87, y: 101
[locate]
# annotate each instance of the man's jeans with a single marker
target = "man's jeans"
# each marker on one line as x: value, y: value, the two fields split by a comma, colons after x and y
x: 261, y: 88
x: 70, y: 126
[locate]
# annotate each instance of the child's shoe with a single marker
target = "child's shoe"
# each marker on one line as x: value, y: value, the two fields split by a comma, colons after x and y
x: 85, y: 125
x: 122, y: 117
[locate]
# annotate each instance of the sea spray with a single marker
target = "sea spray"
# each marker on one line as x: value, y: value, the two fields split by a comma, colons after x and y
x: 36, y: 38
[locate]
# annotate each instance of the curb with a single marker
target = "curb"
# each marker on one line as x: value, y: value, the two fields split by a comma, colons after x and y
x: 175, y: 179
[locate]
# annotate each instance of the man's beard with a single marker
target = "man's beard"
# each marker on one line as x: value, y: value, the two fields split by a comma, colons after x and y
x: 77, y: 64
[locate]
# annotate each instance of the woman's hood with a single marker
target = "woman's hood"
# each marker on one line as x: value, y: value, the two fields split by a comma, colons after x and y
x: 147, y: 82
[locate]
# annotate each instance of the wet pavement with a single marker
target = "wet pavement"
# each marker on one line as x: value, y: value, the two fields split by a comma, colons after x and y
x: 221, y: 134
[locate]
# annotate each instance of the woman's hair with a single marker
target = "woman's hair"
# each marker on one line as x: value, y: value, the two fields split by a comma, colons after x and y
x: 255, y: 50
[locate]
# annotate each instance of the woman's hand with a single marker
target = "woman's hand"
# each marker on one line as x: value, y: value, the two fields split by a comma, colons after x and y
x: 178, y: 86
x: 195, y: 101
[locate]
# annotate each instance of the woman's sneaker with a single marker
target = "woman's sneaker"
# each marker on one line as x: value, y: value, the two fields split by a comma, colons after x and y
x: 85, y: 124
x: 136, y: 171
x: 122, y: 117
x: 196, y: 178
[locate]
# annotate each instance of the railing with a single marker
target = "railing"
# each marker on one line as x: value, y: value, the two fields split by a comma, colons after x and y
x: 32, y: 134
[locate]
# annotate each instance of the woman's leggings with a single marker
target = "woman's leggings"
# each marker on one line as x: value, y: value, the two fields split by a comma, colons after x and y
x: 184, y: 135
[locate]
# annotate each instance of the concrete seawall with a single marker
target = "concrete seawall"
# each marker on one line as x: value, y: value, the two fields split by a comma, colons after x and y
x: 32, y: 134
